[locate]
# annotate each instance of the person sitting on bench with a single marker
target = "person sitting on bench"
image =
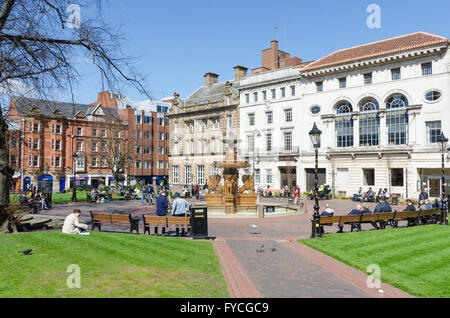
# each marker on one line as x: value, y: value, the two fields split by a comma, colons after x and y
x: 357, y: 196
x: 368, y: 196
x: 382, y: 207
x: 357, y: 211
x: 410, y: 208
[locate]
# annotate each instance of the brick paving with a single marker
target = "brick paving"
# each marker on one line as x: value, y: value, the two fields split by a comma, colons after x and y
x: 291, y: 271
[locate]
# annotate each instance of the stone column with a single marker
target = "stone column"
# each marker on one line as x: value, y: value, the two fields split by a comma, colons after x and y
x: 383, y: 131
x: 355, y: 130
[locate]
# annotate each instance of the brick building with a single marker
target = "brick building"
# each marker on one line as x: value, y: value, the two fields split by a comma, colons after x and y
x: 45, y: 135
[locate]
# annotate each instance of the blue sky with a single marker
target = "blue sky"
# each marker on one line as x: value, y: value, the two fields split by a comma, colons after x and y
x: 177, y: 42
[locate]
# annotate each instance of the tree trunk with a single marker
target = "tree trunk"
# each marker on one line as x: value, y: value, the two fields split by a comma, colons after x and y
x: 5, y: 172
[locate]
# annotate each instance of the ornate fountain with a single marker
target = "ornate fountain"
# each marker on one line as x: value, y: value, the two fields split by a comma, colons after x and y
x: 229, y: 197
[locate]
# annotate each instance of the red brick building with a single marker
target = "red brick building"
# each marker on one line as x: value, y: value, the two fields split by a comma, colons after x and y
x: 45, y: 135
x: 273, y: 59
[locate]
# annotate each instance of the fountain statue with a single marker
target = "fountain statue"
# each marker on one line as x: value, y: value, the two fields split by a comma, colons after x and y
x: 230, y: 198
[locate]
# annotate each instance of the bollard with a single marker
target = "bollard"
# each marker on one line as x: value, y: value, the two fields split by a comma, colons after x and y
x: 261, y: 211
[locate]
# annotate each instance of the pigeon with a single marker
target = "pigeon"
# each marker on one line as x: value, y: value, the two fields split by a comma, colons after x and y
x: 26, y: 252
x: 254, y: 227
x: 261, y: 249
x: 273, y: 249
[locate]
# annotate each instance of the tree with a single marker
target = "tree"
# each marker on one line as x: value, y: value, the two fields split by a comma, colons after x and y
x: 41, y: 43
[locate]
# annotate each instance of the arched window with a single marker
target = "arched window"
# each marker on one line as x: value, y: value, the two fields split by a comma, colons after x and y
x: 396, y: 101
x: 397, y: 119
x: 344, y: 124
x: 369, y: 122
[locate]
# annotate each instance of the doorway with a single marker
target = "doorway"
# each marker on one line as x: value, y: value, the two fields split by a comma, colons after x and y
x: 310, y: 178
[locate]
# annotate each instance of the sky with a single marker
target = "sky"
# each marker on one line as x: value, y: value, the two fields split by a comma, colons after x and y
x: 177, y: 42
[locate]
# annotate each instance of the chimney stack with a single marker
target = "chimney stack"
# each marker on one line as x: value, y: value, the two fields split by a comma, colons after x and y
x: 210, y: 79
x: 240, y: 72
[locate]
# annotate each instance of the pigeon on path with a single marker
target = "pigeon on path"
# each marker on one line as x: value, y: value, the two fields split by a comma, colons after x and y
x: 26, y: 252
x: 254, y: 231
x: 261, y: 249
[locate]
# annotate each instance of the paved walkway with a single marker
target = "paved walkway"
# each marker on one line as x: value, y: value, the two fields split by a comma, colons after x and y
x: 285, y: 268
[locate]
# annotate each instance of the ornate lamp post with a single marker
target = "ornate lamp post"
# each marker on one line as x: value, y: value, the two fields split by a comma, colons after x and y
x: 443, y: 141
x: 74, y: 190
x: 315, y: 138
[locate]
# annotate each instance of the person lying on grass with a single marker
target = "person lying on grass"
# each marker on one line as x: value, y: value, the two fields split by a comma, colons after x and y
x: 73, y: 226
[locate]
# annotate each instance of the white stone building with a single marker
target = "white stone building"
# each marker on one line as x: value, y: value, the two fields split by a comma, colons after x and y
x: 380, y: 107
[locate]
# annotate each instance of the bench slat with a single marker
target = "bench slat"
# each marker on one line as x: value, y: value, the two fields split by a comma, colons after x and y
x: 149, y: 220
x: 175, y: 220
x: 329, y: 219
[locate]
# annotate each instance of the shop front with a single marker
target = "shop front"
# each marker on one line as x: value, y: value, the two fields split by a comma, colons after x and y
x: 45, y: 183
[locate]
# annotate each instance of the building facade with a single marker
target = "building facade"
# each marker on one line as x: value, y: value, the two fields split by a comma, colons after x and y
x: 380, y: 107
x: 270, y: 119
x: 200, y: 127
x: 45, y: 135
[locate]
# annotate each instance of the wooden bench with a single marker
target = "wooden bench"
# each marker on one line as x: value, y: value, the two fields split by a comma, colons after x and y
x: 166, y: 222
x: 382, y: 219
x: 122, y: 219
x: 183, y: 222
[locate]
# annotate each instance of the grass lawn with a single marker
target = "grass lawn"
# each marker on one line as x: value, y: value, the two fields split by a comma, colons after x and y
x: 112, y: 265
x: 63, y: 198
x: 415, y: 259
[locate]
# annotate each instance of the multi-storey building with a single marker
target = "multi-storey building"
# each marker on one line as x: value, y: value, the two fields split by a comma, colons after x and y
x: 200, y: 126
x: 270, y: 118
x: 149, y: 123
x: 45, y: 135
x: 380, y: 106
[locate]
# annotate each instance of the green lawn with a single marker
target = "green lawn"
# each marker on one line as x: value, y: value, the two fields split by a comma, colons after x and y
x: 112, y: 265
x: 63, y: 198
x: 415, y: 259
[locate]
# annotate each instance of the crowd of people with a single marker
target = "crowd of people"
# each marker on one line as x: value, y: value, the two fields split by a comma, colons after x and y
x: 383, y: 206
x: 32, y: 196
x: 370, y: 195
x: 179, y: 208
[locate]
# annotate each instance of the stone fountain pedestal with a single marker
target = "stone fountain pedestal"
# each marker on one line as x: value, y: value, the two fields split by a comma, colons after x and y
x: 229, y: 199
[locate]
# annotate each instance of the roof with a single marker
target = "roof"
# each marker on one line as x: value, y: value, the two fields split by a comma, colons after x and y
x: 211, y: 94
x: 376, y: 49
x: 24, y: 105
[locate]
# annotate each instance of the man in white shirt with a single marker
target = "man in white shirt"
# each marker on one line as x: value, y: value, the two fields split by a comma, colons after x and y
x: 72, y: 224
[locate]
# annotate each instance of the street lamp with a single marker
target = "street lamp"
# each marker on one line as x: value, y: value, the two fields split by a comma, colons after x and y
x: 315, y: 138
x: 74, y: 190
x: 443, y: 141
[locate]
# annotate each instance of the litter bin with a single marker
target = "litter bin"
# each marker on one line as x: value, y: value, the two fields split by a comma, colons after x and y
x: 199, y: 222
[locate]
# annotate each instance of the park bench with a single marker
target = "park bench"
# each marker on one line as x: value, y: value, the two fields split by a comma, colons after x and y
x: 383, y: 219
x: 121, y: 219
x: 166, y: 222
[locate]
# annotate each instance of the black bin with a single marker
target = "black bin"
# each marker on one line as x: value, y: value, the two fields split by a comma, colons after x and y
x: 199, y: 222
